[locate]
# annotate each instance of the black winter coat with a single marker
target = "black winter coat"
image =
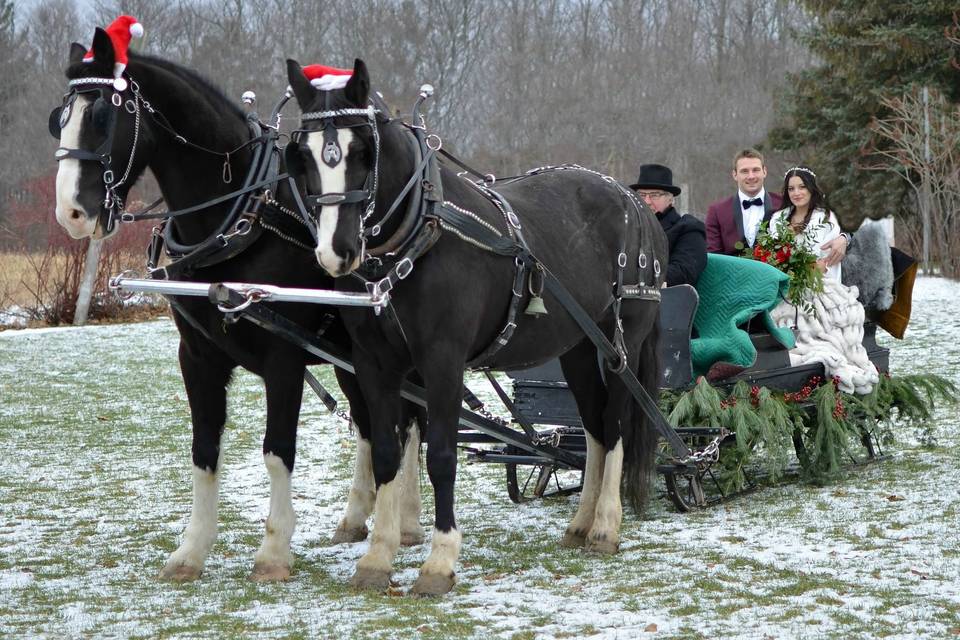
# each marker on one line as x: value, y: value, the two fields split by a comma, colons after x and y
x: 688, y: 247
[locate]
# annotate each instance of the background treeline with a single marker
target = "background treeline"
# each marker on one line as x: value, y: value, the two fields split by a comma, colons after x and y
x: 609, y: 84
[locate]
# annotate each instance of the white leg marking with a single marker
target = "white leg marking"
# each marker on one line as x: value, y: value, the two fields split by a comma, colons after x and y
x: 275, y: 549
x: 70, y: 214
x: 444, y: 551
x: 201, y: 532
x: 411, y: 532
x: 361, y: 498
x: 605, y: 533
x: 592, y: 477
x: 386, y: 531
x: 333, y: 180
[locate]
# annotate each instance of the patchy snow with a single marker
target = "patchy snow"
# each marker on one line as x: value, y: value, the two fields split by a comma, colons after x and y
x: 95, y: 493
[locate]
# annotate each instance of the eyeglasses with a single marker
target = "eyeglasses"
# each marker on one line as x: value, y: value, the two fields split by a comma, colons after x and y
x: 652, y: 195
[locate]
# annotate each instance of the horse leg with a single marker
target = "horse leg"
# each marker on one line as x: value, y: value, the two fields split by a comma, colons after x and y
x: 205, y: 377
x: 360, y: 501
x: 283, y: 381
x: 582, y: 373
x: 621, y: 422
x: 411, y: 531
x: 353, y: 525
x: 438, y: 573
x: 375, y: 567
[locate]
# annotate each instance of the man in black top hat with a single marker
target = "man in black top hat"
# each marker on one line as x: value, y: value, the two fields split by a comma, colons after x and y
x: 686, y: 234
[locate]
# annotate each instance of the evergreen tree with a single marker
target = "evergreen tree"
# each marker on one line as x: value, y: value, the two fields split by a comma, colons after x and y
x: 870, y: 49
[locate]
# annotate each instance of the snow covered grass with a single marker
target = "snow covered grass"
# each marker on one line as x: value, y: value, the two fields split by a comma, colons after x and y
x: 95, y: 491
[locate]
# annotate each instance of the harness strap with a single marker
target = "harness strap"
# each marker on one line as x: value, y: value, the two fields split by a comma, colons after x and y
x: 507, y: 332
x: 143, y: 215
x: 504, y: 246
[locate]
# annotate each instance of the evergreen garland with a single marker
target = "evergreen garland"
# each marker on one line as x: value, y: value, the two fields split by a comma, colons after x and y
x: 820, y: 425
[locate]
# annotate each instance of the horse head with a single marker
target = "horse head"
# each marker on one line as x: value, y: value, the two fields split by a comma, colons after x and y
x: 98, y: 128
x: 334, y: 156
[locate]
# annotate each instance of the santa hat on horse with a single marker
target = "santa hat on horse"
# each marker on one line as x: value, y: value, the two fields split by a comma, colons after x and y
x: 120, y: 32
x: 327, y: 78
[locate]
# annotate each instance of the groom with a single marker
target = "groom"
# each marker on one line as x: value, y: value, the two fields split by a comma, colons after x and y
x: 737, y: 218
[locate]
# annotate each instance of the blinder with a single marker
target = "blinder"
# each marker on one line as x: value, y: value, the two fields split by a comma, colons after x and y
x: 60, y: 116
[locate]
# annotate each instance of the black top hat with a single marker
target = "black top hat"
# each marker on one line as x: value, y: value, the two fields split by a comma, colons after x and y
x: 656, y: 176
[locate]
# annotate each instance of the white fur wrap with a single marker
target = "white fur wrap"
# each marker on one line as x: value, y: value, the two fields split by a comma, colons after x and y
x: 832, y: 335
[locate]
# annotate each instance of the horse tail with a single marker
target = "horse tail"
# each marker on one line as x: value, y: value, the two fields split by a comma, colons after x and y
x: 640, y: 437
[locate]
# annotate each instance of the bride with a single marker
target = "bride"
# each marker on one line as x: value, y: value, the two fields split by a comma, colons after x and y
x: 809, y: 217
x: 833, y: 332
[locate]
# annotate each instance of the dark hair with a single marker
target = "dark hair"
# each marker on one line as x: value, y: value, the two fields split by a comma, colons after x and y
x: 818, y: 199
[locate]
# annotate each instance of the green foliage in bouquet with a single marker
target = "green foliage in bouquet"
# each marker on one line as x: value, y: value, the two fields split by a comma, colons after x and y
x: 823, y: 426
x: 781, y: 248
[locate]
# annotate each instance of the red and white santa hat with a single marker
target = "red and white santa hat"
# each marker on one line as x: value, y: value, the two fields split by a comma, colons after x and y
x: 120, y: 32
x: 327, y: 78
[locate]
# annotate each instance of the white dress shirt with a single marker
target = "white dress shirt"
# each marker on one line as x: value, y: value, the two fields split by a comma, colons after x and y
x: 752, y: 216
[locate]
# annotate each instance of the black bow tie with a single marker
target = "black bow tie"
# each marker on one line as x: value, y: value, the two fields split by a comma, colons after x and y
x: 756, y: 202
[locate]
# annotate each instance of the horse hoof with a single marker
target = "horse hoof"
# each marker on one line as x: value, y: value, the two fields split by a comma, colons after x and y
x: 603, y: 546
x: 270, y: 573
x: 411, y: 538
x: 573, y: 540
x: 433, y: 584
x: 356, y: 534
x: 180, y: 572
x: 370, y: 580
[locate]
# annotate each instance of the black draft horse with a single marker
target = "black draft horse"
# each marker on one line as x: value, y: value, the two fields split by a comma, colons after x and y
x: 453, y: 303
x: 179, y: 125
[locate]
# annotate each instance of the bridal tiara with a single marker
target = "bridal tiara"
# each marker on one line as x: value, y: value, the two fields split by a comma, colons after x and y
x: 804, y: 169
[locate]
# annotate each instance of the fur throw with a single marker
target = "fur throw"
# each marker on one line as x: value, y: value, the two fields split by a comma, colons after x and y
x: 867, y: 266
x: 833, y: 335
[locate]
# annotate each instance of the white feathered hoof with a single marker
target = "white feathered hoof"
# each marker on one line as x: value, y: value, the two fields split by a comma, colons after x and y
x: 603, y: 545
x: 433, y: 584
x: 269, y: 572
x: 573, y: 539
x: 354, y: 534
x: 180, y: 572
x: 370, y: 580
x: 412, y: 538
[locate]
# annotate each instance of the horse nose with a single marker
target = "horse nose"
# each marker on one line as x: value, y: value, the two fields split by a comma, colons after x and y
x: 75, y: 222
x: 349, y: 257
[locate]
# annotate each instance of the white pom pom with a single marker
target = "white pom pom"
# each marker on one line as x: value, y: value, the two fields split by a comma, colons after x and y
x: 136, y: 30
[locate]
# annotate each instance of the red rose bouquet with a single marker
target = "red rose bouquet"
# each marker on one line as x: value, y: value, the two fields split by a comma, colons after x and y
x: 784, y: 249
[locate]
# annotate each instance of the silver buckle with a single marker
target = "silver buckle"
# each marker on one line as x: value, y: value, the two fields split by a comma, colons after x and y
x: 400, y: 268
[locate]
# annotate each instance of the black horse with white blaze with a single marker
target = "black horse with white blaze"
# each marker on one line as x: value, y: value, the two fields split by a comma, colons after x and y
x: 165, y: 117
x: 454, y: 301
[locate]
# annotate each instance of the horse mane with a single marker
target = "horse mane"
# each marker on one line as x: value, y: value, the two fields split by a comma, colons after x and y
x: 220, y: 106
x: 199, y: 82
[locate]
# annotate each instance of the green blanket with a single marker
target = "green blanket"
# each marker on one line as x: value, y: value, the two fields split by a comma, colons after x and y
x: 733, y: 290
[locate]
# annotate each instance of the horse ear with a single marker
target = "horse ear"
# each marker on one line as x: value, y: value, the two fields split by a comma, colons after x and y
x: 77, y: 51
x: 358, y: 86
x: 102, y: 48
x: 302, y: 89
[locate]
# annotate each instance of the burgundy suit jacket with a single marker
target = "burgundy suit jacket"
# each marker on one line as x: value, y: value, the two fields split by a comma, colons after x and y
x: 725, y: 222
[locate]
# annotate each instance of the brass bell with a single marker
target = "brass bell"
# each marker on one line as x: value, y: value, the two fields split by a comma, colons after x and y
x: 535, y: 307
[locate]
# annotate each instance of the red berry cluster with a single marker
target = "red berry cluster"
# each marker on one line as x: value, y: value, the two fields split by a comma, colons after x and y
x: 755, y: 395
x: 805, y: 392
x: 839, y: 411
x: 729, y: 402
